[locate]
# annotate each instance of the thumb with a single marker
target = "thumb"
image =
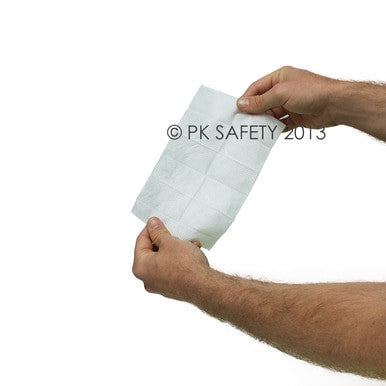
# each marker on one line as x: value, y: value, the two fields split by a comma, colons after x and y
x: 261, y: 103
x: 157, y: 230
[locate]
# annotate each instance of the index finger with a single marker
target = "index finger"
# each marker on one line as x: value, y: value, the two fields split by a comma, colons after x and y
x: 143, y: 242
x: 263, y: 84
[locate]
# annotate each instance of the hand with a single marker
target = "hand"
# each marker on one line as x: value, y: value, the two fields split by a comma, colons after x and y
x: 302, y: 95
x: 166, y: 264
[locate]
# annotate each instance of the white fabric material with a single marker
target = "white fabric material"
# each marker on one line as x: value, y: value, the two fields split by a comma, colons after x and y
x: 199, y: 185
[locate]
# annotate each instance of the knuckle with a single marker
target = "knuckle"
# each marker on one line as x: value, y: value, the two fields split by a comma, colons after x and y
x: 157, y: 234
x: 147, y: 288
x: 285, y: 68
x: 256, y: 103
x: 135, y: 270
x: 138, y: 270
x: 138, y: 240
x: 283, y: 73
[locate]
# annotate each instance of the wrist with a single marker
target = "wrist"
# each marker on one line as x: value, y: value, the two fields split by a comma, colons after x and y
x: 219, y: 294
x: 338, y: 101
x: 193, y: 286
x: 206, y: 286
x: 358, y: 104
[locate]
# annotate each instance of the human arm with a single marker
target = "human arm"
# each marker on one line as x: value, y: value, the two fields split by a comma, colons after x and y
x: 337, y: 325
x: 315, y: 101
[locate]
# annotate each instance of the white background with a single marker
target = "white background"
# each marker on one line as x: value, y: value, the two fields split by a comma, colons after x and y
x: 87, y: 90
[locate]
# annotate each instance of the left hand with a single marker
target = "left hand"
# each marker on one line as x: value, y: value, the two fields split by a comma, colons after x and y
x: 170, y: 268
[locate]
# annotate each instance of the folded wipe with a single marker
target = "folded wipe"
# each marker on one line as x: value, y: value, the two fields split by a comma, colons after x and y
x: 203, y: 177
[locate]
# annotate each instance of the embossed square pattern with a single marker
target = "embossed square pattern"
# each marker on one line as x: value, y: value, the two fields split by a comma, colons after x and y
x: 199, y: 184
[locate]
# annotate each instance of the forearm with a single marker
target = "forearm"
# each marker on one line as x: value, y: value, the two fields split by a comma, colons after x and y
x: 361, y: 105
x: 337, y: 325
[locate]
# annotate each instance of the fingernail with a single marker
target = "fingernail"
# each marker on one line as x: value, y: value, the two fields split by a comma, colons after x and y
x: 243, y: 102
x: 153, y: 222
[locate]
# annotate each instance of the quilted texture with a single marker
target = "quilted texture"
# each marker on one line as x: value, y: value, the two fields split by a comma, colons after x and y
x: 199, y: 185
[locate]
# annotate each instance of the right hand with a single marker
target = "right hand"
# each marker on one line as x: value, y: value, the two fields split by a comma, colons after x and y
x: 301, y: 94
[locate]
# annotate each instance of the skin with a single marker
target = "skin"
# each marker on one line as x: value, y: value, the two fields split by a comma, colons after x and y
x: 341, y: 326
x: 312, y: 100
